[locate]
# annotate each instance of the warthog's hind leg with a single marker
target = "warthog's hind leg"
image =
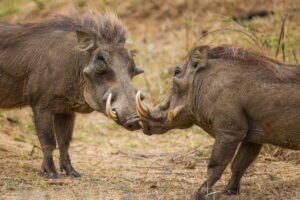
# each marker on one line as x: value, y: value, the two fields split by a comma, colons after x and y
x: 245, y: 156
x: 63, y: 125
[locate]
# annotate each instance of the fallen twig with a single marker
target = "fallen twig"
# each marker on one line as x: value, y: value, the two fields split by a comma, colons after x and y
x: 179, y: 155
x: 140, y: 154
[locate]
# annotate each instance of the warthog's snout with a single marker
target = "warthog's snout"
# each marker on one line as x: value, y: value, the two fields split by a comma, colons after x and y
x: 132, y: 122
x: 120, y: 114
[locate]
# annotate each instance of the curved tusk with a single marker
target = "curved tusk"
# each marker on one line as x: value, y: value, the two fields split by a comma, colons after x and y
x: 170, y: 116
x: 109, y: 112
x: 173, y: 113
x: 141, y: 124
x: 141, y: 108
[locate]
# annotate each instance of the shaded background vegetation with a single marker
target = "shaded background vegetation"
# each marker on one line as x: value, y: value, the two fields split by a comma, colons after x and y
x: 117, y: 164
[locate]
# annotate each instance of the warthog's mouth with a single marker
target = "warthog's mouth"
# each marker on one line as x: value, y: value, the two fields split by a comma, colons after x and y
x: 155, y: 121
x: 132, y: 121
x: 145, y: 127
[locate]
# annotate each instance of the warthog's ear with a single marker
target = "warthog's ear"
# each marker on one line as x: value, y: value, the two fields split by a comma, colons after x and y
x: 199, y: 57
x: 86, y: 41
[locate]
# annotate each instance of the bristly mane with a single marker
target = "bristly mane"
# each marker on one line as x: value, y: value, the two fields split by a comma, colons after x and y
x: 107, y: 27
x: 281, y: 70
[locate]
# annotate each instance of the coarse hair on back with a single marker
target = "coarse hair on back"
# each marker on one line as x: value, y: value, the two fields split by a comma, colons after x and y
x: 236, y: 53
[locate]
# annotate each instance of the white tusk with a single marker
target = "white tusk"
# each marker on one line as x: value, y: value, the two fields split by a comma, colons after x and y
x: 141, y: 124
x: 172, y: 114
x: 141, y: 109
x: 109, y: 112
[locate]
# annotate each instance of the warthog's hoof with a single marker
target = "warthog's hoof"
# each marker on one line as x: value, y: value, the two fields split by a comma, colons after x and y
x: 65, y: 165
x: 198, y: 196
x: 230, y: 192
x: 74, y: 174
x: 52, y: 175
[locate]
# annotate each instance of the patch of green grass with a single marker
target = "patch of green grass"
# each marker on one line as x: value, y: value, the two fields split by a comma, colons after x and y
x: 13, y: 184
x: 106, y: 2
x: 123, y: 187
x: 8, y: 11
x: 228, y: 19
x: 131, y: 6
x: 35, y: 153
x: 50, y: 3
x: 133, y: 145
x: 47, y: 196
x: 204, y: 155
x: 80, y: 3
x: 8, y: 8
x: 29, y: 128
x: 34, y: 178
x: 92, y: 127
x: 28, y: 168
x: 20, y: 138
x: 112, y: 126
x: 268, y: 41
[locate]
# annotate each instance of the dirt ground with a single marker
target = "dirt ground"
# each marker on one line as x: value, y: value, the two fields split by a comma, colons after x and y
x: 117, y: 164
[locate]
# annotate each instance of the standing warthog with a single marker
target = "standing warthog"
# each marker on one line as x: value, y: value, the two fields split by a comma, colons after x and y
x: 237, y: 96
x: 67, y: 65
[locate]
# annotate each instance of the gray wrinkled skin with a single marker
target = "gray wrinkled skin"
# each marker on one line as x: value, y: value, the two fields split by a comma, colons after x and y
x: 62, y: 66
x: 238, y: 97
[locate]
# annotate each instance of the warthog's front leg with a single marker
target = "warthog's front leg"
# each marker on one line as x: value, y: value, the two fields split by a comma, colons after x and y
x: 44, y: 126
x: 245, y: 156
x: 223, y: 152
x: 228, y: 134
x: 63, y: 125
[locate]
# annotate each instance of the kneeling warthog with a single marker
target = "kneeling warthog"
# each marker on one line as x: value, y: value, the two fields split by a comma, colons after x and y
x: 66, y: 65
x: 238, y: 97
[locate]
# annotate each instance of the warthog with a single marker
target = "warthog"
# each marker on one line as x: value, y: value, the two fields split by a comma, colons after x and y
x: 65, y: 65
x: 238, y: 97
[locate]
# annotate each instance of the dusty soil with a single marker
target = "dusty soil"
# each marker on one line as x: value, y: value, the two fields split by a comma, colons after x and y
x: 117, y: 164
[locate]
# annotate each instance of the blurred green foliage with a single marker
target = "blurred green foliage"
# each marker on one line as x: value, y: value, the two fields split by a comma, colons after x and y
x: 8, y: 7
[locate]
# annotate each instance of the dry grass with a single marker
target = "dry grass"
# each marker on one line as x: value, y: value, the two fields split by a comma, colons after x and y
x: 117, y: 164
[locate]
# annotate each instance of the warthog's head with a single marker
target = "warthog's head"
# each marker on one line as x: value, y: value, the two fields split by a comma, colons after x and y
x: 175, y: 111
x: 108, y: 76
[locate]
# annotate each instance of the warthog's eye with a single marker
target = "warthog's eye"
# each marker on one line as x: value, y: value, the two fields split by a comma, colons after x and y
x: 177, y: 71
x: 103, y: 57
x: 194, y: 65
x: 100, y: 66
x: 100, y: 57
